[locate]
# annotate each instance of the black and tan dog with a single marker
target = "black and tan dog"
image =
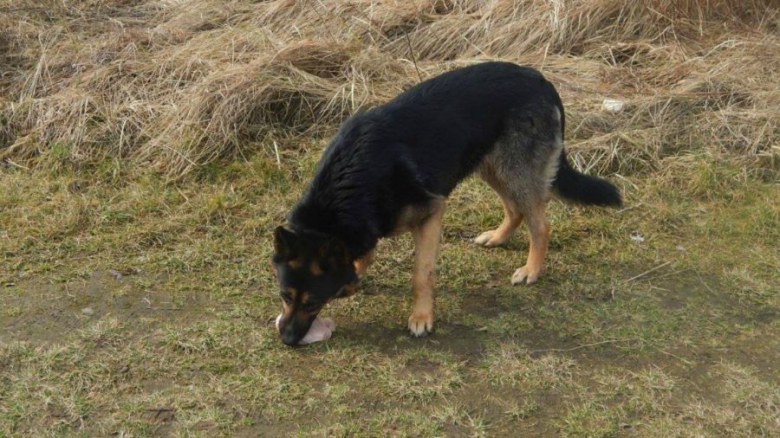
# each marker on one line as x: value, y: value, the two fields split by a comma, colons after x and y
x: 390, y: 169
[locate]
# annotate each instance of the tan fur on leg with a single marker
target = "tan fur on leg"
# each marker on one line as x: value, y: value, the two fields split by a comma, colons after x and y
x: 426, y: 245
x: 512, y: 219
x: 539, y: 233
x: 362, y: 264
x: 512, y: 215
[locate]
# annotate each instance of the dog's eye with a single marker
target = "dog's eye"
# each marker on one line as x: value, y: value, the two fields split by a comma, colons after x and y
x: 287, y: 299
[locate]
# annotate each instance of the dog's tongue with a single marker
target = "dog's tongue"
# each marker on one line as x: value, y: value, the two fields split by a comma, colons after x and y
x: 321, y: 330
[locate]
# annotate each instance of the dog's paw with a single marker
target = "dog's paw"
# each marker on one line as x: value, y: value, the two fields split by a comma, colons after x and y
x: 489, y: 239
x: 525, y: 275
x: 421, y: 324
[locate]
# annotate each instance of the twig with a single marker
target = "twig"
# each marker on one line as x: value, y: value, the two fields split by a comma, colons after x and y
x: 705, y: 284
x: 411, y: 53
x: 685, y: 361
x: 611, y: 341
x: 669, y: 274
x: 647, y: 272
x: 186, y: 199
x: 630, y: 207
x: 481, y: 52
x: 278, y: 160
x: 8, y: 161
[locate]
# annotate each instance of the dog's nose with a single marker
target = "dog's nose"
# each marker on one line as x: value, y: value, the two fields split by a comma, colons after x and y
x: 290, y: 339
x: 290, y: 335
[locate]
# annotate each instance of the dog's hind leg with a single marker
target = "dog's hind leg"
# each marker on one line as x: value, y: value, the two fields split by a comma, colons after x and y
x: 539, y: 233
x: 426, y: 246
x: 519, y: 172
x: 512, y: 214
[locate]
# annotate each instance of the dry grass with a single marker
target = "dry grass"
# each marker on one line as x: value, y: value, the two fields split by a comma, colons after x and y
x: 103, y: 102
x: 179, y: 85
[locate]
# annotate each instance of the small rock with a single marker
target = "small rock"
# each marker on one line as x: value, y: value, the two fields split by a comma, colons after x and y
x: 679, y: 248
x: 118, y: 275
x: 613, y: 105
x: 88, y: 311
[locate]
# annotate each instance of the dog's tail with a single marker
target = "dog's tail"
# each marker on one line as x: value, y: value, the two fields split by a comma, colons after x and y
x: 584, y: 189
x: 574, y: 186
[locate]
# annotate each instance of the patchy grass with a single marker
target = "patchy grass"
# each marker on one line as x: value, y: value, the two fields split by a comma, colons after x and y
x: 149, y: 147
x: 674, y: 335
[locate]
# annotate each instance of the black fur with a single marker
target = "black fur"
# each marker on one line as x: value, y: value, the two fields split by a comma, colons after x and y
x: 578, y: 187
x: 418, y: 145
x: 407, y: 153
x: 584, y: 189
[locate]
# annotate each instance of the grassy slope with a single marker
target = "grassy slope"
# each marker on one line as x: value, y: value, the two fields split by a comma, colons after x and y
x: 183, y: 342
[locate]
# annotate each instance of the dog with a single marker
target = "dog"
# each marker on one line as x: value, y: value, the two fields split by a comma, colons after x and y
x: 389, y: 170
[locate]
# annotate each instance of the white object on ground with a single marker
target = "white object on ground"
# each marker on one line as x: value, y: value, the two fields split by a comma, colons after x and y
x: 613, y: 105
x: 321, y: 330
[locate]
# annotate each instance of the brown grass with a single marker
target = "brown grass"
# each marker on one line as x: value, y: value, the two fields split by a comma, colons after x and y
x: 178, y: 86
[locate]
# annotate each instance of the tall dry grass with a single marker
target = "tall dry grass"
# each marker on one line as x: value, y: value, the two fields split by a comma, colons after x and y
x: 177, y: 85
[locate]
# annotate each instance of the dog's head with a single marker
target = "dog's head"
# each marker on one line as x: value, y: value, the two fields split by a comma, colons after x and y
x: 312, y: 269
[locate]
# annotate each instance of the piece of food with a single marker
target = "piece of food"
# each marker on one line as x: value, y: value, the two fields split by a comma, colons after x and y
x: 321, y: 330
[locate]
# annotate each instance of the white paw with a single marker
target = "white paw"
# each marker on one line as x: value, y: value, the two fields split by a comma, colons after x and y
x: 525, y: 275
x: 487, y: 239
x: 421, y: 324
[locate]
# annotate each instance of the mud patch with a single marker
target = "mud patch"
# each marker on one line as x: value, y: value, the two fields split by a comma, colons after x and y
x: 51, y: 312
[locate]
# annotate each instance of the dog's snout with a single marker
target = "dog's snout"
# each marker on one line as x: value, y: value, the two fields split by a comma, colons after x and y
x: 289, y: 338
x: 292, y: 331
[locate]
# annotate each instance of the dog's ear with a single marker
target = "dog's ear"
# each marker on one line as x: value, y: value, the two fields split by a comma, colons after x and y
x: 335, y: 253
x: 285, y: 243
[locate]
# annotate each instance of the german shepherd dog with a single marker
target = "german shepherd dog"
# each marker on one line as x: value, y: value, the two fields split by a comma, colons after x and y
x: 390, y: 169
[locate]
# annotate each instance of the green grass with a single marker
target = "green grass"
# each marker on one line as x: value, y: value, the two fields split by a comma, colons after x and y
x: 183, y: 344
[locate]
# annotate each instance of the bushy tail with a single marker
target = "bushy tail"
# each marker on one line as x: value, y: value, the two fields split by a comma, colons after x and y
x: 577, y: 187
x: 584, y: 189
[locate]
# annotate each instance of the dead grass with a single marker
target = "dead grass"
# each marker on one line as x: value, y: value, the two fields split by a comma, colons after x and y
x: 164, y: 140
x: 179, y: 86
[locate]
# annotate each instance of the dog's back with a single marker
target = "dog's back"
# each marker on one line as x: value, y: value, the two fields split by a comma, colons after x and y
x: 448, y: 124
x: 420, y: 145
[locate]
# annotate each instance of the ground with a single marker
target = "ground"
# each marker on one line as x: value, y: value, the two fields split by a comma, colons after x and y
x: 145, y: 308
x: 148, y: 148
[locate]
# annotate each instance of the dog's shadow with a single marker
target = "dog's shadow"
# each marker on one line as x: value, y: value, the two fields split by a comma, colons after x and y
x: 462, y: 334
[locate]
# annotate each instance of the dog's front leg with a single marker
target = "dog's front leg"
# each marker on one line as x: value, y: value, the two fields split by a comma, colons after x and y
x: 426, y: 246
x: 362, y: 264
